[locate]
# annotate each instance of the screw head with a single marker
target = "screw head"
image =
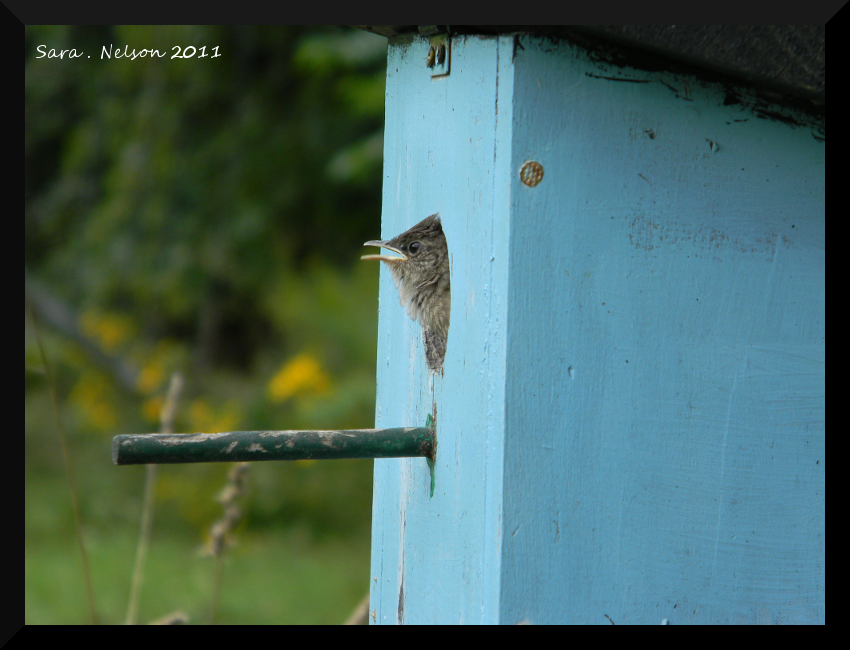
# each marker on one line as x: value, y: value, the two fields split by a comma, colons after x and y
x: 429, y: 61
x: 531, y: 173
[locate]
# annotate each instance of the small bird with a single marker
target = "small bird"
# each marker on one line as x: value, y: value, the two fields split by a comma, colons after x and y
x: 420, y: 270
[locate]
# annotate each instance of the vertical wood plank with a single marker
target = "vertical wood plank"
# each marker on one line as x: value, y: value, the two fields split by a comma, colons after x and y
x: 665, y: 372
x: 435, y: 559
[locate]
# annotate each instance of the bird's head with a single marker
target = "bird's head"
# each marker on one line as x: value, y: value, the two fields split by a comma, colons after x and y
x: 418, y: 253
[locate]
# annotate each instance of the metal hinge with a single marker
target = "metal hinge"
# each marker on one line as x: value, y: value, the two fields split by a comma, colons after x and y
x: 439, y: 49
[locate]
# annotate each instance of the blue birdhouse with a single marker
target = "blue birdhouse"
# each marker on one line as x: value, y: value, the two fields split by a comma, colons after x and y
x: 630, y: 418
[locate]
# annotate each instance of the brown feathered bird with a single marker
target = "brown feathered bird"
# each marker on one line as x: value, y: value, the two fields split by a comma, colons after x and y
x: 420, y: 270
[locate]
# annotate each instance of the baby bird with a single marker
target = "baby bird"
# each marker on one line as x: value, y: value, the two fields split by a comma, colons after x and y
x: 420, y: 270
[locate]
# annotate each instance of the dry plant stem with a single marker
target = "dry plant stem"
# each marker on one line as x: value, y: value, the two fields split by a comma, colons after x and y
x: 69, y: 469
x: 166, y: 425
x: 221, y: 529
x: 360, y: 614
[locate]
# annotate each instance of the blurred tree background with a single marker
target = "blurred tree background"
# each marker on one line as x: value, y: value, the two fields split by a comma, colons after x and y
x: 201, y: 215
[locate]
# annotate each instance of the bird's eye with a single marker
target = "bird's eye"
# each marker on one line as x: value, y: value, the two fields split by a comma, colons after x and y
x: 414, y: 247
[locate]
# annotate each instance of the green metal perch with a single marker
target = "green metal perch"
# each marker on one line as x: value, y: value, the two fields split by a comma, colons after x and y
x: 236, y: 446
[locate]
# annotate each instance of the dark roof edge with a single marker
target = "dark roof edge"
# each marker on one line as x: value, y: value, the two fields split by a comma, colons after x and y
x: 786, y: 61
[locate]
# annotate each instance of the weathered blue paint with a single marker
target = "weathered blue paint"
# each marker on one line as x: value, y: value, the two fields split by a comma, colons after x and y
x: 630, y: 427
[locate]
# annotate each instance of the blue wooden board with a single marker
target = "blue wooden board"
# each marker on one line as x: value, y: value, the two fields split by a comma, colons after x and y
x: 631, y: 420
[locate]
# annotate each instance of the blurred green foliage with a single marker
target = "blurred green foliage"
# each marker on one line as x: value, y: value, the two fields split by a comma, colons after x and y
x: 202, y: 215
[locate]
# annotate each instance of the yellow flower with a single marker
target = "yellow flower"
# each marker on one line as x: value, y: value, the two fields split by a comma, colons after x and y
x: 111, y: 330
x: 302, y: 375
x: 206, y: 419
x: 93, y: 396
x: 151, y: 408
x: 151, y: 376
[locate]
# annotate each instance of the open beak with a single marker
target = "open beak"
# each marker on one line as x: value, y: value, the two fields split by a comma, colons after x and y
x: 399, y: 257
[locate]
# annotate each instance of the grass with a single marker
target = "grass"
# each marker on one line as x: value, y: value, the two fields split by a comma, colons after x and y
x: 269, y: 578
